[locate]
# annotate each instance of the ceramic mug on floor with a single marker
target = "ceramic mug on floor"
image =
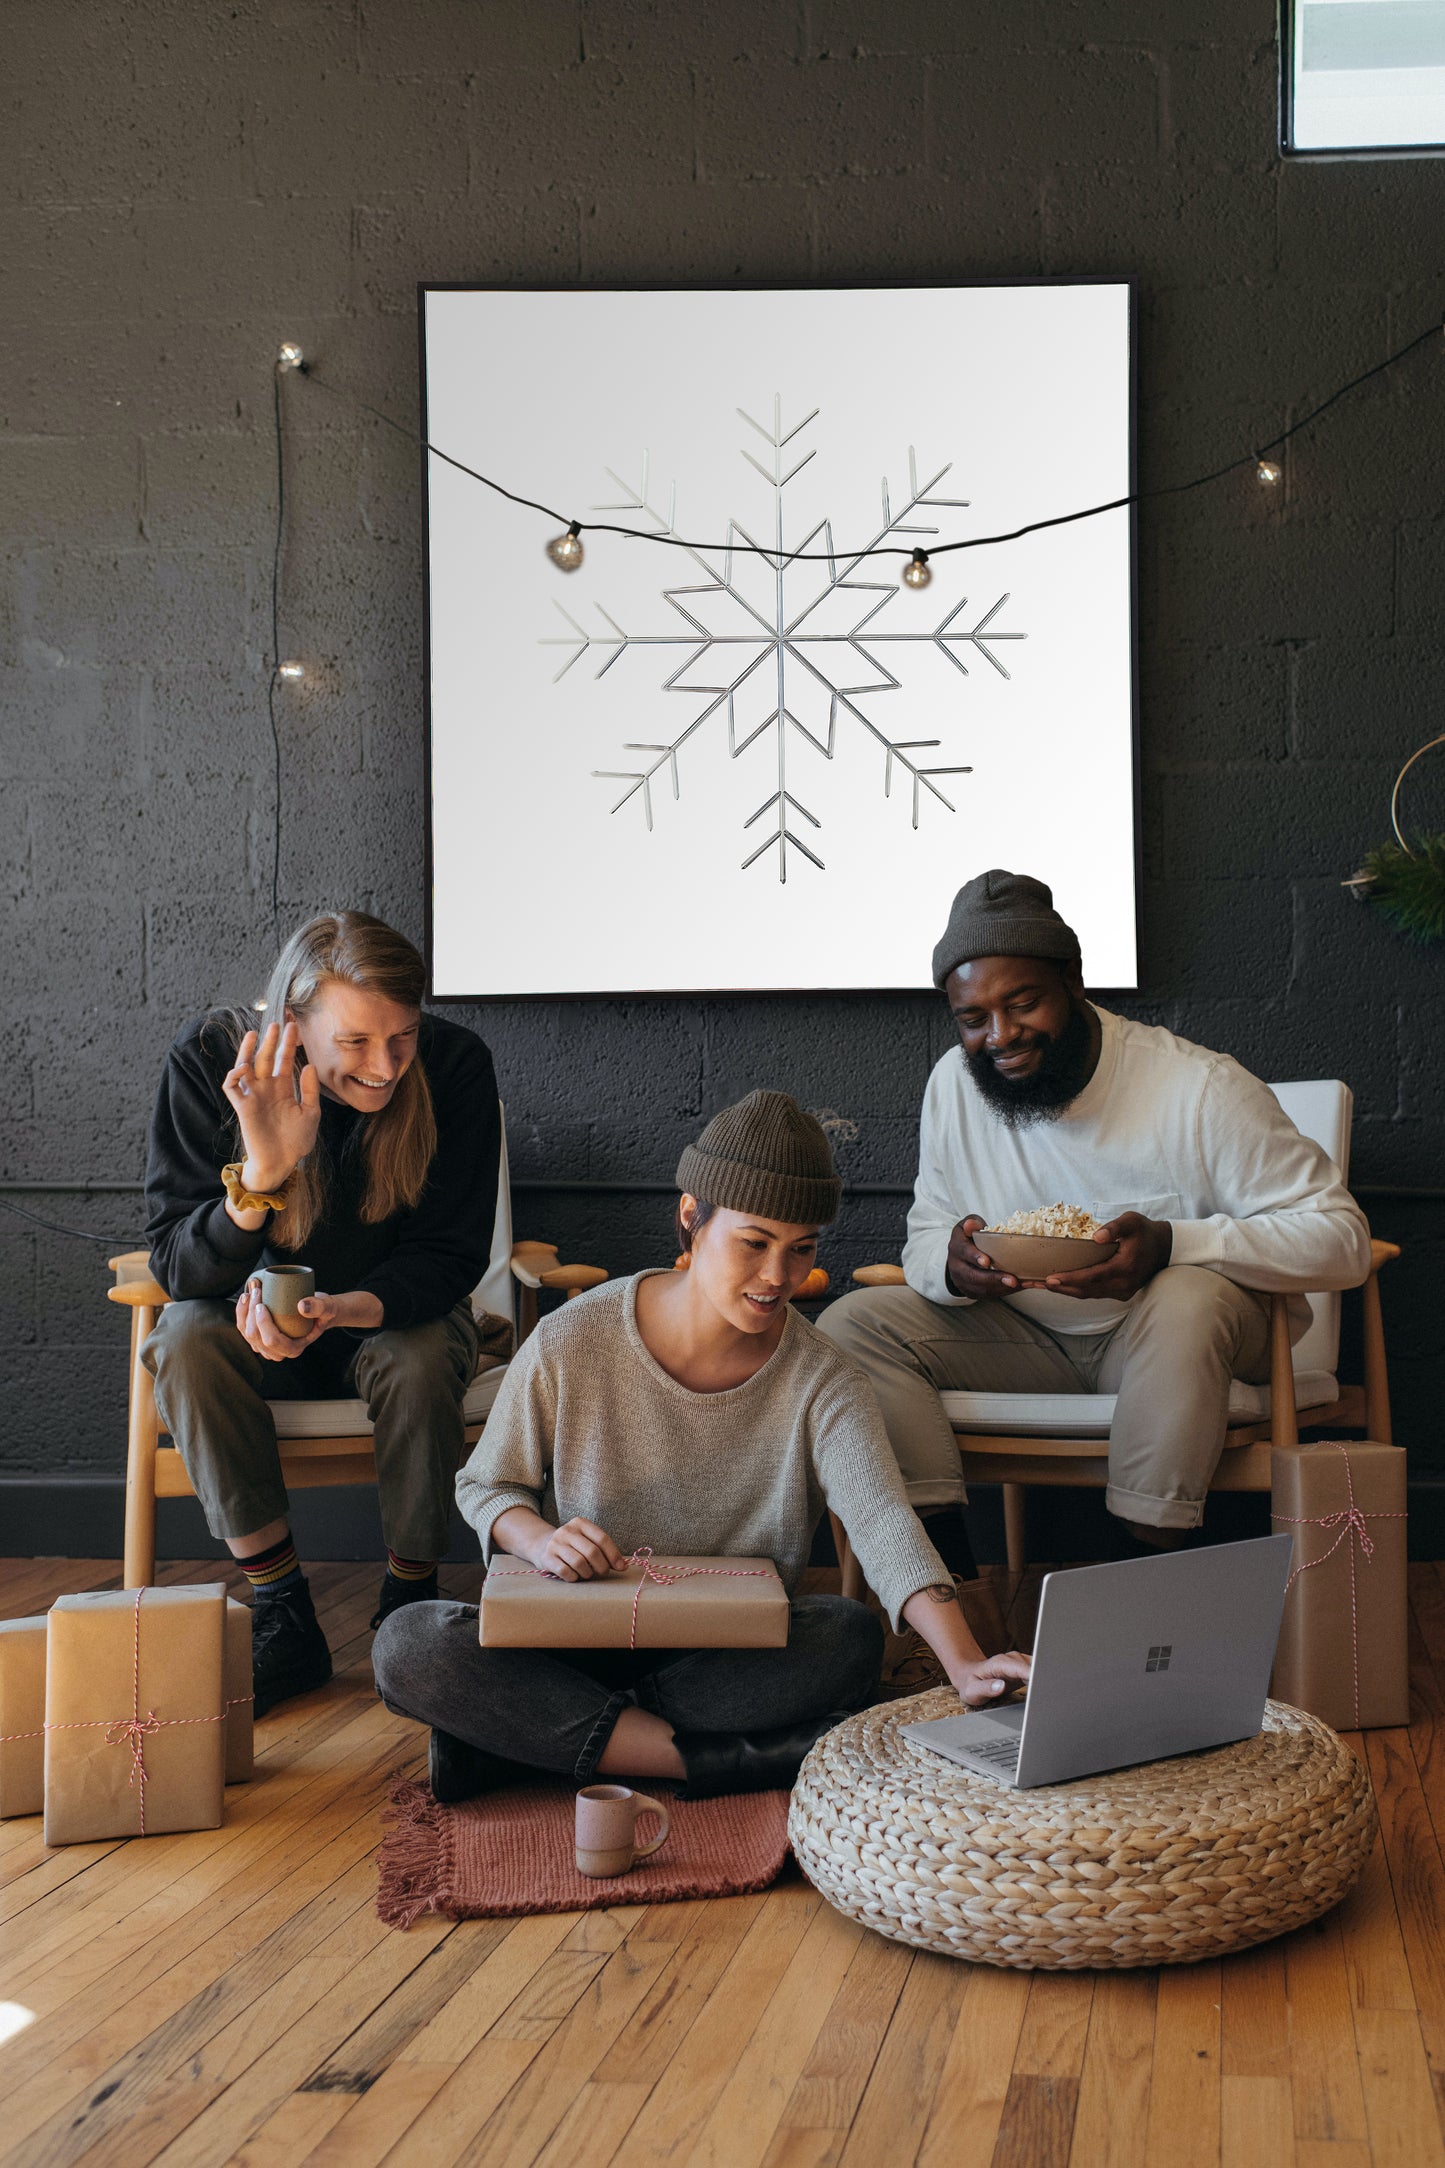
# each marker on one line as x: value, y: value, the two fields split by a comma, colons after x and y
x: 282, y: 1287
x: 607, y: 1829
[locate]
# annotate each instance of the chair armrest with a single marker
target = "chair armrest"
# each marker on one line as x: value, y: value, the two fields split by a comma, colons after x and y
x: 135, y: 1284
x: 535, y: 1265
x: 880, y: 1276
x: 1382, y: 1253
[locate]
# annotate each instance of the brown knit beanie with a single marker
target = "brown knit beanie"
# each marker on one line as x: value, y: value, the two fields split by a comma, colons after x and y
x: 1004, y: 914
x: 765, y: 1155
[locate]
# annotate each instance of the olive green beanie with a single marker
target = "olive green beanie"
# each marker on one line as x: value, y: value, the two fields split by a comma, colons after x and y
x: 767, y: 1156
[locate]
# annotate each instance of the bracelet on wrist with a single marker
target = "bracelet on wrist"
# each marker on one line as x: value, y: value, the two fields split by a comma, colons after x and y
x: 248, y: 1200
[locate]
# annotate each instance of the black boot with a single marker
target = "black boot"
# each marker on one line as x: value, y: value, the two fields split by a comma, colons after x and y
x: 759, y: 1761
x: 395, y: 1593
x: 457, y: 1771
x: 288, y: 1649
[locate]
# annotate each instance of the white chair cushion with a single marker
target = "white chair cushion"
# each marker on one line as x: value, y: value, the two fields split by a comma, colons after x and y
x: 349, y: 1419
x: 1089, y: 1415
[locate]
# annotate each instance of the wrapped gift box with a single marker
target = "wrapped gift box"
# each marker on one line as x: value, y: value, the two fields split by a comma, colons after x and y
x: 22, y: 1716
x: 240, y: 1731
x: 1342, y: 1644
x: 657, y: 1603
x: 135, y: 1740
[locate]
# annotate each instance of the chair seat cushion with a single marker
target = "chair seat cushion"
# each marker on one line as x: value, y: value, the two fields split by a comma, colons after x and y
x: 1089, y: 1415
x: 349, y: 1419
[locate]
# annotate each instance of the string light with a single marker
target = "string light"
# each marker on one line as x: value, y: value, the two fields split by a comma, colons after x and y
x: 561, y: 549
x: 291, y: 357
x: 916, y: 573
x: 565, y: 550
x: 292, y: 672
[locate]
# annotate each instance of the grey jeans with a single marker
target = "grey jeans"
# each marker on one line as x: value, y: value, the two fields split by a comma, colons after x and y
x: 212, y: 1389
x: 554, y: 1709
x: 1170, y: 1360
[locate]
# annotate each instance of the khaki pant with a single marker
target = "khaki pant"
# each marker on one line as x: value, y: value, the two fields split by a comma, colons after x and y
x: 1170, y: 1360
x: 212, y: 1389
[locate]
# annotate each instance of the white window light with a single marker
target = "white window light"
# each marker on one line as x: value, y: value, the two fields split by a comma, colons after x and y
x: 1364, y: 75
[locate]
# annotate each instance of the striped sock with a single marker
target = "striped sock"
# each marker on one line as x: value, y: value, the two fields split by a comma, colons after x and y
x: 275, y: 1571
x: 409, y: 1569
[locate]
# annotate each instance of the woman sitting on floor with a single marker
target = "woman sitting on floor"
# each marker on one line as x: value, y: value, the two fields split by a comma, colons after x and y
x: 698, y: 1413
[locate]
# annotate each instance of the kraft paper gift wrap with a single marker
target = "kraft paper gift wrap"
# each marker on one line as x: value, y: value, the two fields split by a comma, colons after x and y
x: 1342, y: 1645
x: 22, y: 1712
x: 236, y: 1683
x: 135, y: 1741
x: 657, y: 1603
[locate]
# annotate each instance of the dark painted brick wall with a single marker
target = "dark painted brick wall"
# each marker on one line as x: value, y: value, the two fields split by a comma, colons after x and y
x: 181, y: 187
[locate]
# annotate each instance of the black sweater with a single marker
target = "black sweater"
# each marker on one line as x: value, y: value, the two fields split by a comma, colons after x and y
x: 418, y: 1264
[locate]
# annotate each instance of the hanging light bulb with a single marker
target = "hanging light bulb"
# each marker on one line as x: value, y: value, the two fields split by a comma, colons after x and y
x: 290, y: 356
x: 291, y: 671
x: 565, y: 550
x: 1269, y: 471
x: 917, y: 572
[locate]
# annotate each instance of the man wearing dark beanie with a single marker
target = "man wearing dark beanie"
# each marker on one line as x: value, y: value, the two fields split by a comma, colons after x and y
x: 1208, y: 1196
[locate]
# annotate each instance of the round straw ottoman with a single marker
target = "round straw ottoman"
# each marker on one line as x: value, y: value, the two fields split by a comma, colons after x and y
x: 1160, y: 1865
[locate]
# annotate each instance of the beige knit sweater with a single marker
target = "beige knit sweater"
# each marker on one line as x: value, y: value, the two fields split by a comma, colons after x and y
x: 587, y: 1423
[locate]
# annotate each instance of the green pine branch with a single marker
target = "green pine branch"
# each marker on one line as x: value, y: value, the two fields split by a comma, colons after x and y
x: 1409, y: 886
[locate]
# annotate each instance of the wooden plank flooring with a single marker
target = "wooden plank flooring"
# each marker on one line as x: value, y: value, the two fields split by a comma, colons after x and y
x: 230, y: 1995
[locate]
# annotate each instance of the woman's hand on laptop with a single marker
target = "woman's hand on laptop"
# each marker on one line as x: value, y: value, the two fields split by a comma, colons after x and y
x: 936, y: 1614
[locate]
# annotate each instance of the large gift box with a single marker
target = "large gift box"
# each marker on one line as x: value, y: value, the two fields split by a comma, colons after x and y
x: 135, y: 1728
x: 656, y: 1603
x: 22, y: 1716
x: 1342, y: 1645
x: 236, y: 1694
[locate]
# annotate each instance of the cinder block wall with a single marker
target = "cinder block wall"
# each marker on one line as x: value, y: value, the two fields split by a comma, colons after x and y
x: 181, y: 187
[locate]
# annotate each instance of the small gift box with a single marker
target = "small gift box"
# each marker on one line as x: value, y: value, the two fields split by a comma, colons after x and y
x: 1342, y: 1643
x: 655, y: 1603
x: 236, y: 1689
x: 135, y: 1731
x: 22, y: 1716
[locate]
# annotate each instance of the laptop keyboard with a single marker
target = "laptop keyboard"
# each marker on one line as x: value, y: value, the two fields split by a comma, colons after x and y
x: 1000, y: 1754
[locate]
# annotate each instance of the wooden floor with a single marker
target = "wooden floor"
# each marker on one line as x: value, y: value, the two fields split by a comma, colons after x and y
x: 231, y: 1996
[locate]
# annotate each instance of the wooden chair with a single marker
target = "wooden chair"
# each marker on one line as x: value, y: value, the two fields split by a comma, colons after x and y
x: 323, y: 1442
x: 1024, y: 1440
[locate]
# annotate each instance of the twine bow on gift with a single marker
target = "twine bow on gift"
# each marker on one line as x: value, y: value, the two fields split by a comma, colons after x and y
x: 642, y: 1558
x: 1352, y: 1524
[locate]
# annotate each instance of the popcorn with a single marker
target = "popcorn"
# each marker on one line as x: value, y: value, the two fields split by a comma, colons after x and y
x: 1068, y: 1220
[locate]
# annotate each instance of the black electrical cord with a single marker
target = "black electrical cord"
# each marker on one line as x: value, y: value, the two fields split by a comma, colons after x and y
x: 974, y: 542
x: 53, y: 1227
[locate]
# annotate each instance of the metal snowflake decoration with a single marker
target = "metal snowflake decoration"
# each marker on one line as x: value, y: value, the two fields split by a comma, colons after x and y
x: 791, y: 646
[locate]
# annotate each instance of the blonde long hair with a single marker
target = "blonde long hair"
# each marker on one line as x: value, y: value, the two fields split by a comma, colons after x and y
x: 398, y: 1143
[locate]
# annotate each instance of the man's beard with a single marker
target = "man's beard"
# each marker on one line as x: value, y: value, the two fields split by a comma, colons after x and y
x: 1065, y: 1065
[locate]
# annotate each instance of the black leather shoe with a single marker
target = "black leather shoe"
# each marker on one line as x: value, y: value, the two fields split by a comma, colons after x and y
x: 759, y: 1761
x: 288, y: 1649
x: 396, y: 1594
x: 457, y: 1771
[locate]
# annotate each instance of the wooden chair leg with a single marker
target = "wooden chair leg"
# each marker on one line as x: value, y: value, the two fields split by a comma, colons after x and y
x: 140, y: 1460
x: 848, y: 1565
x: 1283, y: 1421
x: 1377, y: 1377
x: 1015, y: 1526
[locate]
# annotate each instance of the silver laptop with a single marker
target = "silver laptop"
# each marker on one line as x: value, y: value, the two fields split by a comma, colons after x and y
x: 1133, y: 1662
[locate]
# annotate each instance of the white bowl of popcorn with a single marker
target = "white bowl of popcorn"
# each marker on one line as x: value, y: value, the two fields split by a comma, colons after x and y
x: 1048, y: 1238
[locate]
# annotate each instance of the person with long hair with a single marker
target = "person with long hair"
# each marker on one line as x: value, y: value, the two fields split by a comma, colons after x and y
x: 355, y: 1135
x: 699, y: 1414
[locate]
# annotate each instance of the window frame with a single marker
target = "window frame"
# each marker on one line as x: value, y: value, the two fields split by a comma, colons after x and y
x: 1285, y: 122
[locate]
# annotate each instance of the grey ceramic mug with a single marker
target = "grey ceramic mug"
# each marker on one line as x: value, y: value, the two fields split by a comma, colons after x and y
x: 282, y: 1287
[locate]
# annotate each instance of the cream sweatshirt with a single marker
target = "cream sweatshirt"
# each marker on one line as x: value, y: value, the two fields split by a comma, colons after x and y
x: 586, y: 1422
x: 1164, y: 1128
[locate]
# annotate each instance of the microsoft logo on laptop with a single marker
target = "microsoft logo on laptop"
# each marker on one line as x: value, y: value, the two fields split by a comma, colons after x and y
x: 1158, y: 1657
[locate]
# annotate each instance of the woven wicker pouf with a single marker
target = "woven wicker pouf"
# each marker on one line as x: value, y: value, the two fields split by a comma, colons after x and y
x: 1160, y: 1865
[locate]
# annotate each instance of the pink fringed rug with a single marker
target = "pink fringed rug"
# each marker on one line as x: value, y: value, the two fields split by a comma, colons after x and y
x: 512, y: 1852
